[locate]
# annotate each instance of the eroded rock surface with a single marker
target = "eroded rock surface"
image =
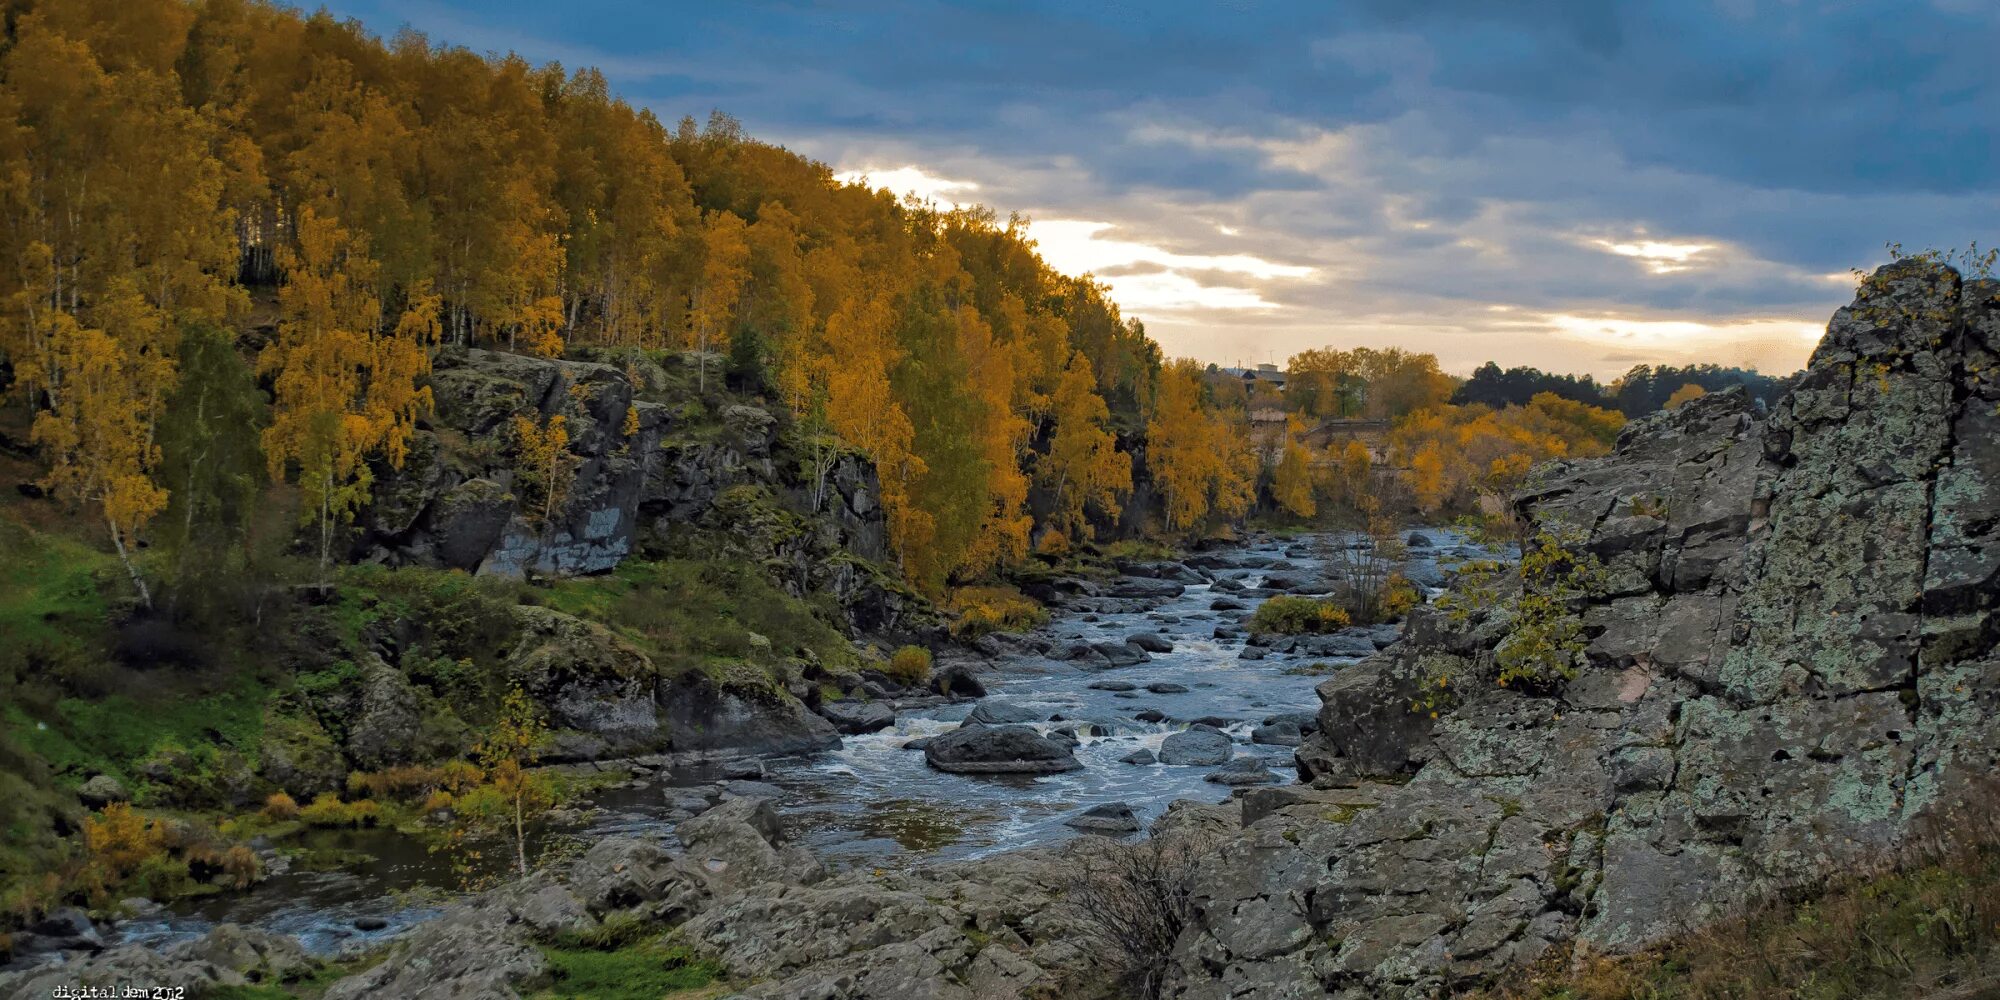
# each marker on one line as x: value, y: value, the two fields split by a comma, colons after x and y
x: 1791, y: 669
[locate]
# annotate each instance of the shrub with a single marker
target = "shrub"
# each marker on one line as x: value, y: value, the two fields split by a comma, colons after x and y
x: 985, y: 610
x: 279, y: 807
x: 239, y: 866
x: 1289, y: 615
x: 328, y: 811
x: 404, y: 781
x: 1133, y: 901
x: 1547, y: 640
x: 119, y: 840
x: 911, y: 665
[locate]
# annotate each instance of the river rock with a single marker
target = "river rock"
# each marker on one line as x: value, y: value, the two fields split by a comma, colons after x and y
x: 1005, y: 713
x: 1227, y: 604
x: 1305, y: 722
x: 1284, y: 734
x: 1195, y: 747
x: 999, y: 750
x: 957, y: 681
x: 1150, y: 642
x: 1418, y: 540
x: 1120, y: 654
x: 1112, y: 685
x: 1166, y: 687
x: 1147, y: 588
x: 1150, y: 715
x: 855, y: 718
x: 1140, y: 756
x: 1242, y: 771
x: 1111, y: 817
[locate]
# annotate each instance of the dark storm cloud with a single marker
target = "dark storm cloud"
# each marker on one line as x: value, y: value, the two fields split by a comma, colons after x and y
x: 1434, y: 161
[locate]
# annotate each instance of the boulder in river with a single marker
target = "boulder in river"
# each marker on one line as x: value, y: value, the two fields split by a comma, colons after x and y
x: 1111, y: 817
x: 1151, y: 642
x: 957, y: 681
x: 1150, y: 715
x: 1166, y: 687
x: 1120, y: 654
x: 999, y: 750
x: 1283, y: 734
x: 1140, y: 756
x: 1227, y: 604
x: 857, y: 717
x: 1196, y: 748
x: 1005, y: 713
x: 1112, y: 685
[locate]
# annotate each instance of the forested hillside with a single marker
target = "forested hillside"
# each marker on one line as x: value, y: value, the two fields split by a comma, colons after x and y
x: 172, y: 166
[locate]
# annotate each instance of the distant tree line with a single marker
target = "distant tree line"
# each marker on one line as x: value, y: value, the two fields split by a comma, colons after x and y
x: 1640, y: 391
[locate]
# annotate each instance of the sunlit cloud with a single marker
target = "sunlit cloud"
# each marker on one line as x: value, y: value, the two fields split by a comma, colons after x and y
x: 1161, y: 278
x: 1659, y: 257
x: 911, y: 181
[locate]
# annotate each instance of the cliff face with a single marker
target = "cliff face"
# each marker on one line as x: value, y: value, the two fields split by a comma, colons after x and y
x: 1791, y: 670
x: 674, y: 477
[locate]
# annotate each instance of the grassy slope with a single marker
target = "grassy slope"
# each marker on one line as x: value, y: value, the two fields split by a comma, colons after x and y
x: 1932, y: 930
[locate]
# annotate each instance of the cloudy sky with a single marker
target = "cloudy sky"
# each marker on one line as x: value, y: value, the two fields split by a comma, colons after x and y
x: 1575, y: 184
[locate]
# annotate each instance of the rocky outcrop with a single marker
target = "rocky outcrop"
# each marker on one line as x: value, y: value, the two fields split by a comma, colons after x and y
x: 1790, y: 669
x: 652, y: 467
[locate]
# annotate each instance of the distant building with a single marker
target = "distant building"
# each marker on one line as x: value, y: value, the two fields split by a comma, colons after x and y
x: 1269, y: 375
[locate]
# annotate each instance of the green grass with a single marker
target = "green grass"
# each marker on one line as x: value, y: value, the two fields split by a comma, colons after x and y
x: 113, y: 734
x: 637, y: 972
x: 51, y: 593
x: 698, y: 614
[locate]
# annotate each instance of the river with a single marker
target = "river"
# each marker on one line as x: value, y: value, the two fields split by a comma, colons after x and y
x: 875, y: 802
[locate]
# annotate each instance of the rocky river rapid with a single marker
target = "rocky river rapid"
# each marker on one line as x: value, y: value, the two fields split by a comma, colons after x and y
x: 1122, y: 665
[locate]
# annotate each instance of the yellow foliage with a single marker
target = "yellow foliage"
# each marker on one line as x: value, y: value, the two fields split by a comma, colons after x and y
x: 544, y: 465
x: 909, y: 665
x: 279, y: 806
x: 1683, y: 394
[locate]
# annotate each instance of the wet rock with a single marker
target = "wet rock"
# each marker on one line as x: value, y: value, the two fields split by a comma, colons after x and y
x: 1150, y: 715
x: 745, y: 789
x: 1166, y: 687
x: 1003, y: 713
x: 999, y: 750
x: 1112, y: 817
x: 1141, y: 756
x: 1149, y: 642
x: 1284, y: 734
x: 1242, y: 771
x: 1227, y: 604
x: 1418, y: 540
x: 1144, y: 587
x: 858, y: 717
x: 1196, y: 748
x: 1305, y: 722
x: 1112, y: 686
x: 1120, y: 654
x: 370, y: 924
x: 957, y: 681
